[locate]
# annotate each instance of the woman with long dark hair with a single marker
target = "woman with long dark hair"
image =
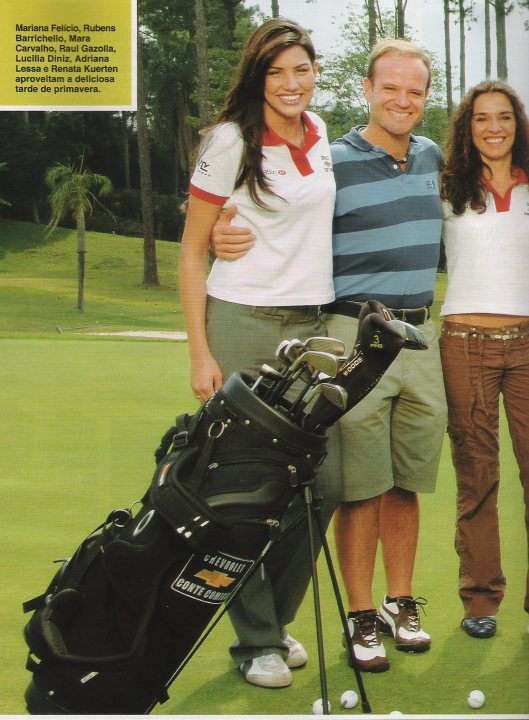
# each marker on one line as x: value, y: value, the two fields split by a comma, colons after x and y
x: 269, y: 156
x: 485, y: 334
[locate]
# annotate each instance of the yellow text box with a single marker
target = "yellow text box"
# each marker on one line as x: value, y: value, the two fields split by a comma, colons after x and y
x: 68, y: 54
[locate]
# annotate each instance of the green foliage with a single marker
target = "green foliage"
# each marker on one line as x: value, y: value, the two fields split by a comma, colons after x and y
x: 341, y: 74
x: 25, y: 151
x: 72, y: 191
x: 340, y: 119
x: 170, y: 59
x: 4, y: 168
x: 434, y: 125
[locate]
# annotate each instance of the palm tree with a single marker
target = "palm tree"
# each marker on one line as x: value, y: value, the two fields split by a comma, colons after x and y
x: 72, y: 193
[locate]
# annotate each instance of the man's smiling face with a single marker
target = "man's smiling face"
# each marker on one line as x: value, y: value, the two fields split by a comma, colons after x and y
x: 397, y: 93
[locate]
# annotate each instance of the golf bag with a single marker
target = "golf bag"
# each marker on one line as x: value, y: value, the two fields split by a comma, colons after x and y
x: 120, y: 617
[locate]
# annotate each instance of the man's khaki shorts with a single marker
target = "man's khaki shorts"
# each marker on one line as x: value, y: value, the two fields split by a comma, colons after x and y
x: 394, y: 436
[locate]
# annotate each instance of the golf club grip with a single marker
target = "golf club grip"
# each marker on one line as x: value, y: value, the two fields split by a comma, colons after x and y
x: 378, y: 344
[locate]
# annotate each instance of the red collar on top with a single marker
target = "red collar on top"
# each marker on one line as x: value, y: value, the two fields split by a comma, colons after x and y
x: 299, y: 155
x: 503, y: 204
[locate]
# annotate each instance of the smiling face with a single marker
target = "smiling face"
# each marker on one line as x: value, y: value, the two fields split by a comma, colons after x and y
x: 493, y: 126
x: 396, y: 94
x: 289, y: 85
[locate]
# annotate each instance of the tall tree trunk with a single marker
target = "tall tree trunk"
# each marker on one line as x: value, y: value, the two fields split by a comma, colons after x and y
x: 150, y: 266
x: 372, y: 21
x: 126, y: 149
x: 487, y: 40
x: 448, y: 59
x: 230, y: 6
x: 275, y: 8
x: 81, y: 255
x: 501, y: 40
x: 201, y: 42
x: 34, y: 206
x: 400, y: 23
x: 462, y: 47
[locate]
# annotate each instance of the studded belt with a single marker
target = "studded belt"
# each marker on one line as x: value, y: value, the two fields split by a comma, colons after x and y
x: 512, y: 333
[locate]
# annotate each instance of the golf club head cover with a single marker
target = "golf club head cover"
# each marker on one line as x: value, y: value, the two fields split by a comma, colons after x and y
x: 379, y: 340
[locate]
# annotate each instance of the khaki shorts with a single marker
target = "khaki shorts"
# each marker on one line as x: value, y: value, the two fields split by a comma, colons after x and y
x: 394, y: 436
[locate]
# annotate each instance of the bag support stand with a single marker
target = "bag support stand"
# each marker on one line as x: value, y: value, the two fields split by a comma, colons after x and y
x: 314, y: 524
x: 312, y: 513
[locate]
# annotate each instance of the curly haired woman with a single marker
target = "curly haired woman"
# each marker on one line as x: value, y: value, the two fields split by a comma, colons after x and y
x: 485, y: 334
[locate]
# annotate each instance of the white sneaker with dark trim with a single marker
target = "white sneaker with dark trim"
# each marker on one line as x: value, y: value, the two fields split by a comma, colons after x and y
x: 401, y: 619
x: 368, y: 648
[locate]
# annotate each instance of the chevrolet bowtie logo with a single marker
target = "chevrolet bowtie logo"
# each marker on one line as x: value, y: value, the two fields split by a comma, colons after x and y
x: 215, y: 578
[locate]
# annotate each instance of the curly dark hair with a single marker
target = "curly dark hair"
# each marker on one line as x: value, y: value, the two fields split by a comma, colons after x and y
x: 461, y: 176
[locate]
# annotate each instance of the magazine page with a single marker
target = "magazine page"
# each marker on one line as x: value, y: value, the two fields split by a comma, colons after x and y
x: 263, y: 284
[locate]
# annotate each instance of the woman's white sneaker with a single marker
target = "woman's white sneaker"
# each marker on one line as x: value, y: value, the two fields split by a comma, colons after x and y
x: 268, y: 671
x: 297, y: 655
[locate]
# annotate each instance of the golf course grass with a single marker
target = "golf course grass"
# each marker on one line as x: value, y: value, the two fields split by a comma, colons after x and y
x: 82, y: 417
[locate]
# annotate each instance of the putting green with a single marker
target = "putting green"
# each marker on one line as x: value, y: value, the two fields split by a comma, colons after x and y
x: 81, y: 421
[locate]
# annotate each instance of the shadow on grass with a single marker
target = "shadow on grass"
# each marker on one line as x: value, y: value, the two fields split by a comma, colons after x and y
x: 18, y: 237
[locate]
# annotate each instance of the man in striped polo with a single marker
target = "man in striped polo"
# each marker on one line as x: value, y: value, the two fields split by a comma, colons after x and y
x: 386, y: 242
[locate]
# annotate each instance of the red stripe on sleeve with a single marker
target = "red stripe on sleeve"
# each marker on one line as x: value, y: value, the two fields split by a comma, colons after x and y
x: 206, y: 196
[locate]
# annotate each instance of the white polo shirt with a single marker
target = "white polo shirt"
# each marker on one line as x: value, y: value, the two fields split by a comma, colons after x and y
x: 291, y: 261
x: 488, y: 255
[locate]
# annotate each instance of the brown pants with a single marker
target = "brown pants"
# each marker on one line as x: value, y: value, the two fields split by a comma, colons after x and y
x: 478, y: 367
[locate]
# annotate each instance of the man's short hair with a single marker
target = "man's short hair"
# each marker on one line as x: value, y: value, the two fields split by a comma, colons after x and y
x: 398, y: 46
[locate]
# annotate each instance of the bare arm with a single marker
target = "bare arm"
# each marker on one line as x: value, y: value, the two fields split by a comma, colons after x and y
x: 206, y: 376
x: 229, y: 242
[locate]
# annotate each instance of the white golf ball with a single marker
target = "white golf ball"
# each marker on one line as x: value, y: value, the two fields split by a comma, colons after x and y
x: 317, y: 706
x: 476, y: 699
x: 349, y: 699
x: 396, y: 713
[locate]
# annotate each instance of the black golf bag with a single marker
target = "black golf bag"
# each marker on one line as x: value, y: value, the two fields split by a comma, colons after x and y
x: 122, y: 614
x: 120, y: 617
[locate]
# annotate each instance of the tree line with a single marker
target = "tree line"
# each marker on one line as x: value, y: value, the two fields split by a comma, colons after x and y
x: 187, y: 53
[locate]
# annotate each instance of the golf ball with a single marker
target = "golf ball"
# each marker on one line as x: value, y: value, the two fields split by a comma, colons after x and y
x: 395, y: 713
x: 349, y: 699
x: 317, y: 706
x: 476, y: 699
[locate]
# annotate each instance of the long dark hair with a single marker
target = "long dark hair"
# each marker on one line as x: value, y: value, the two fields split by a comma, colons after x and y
x: 244, y: 103
x: 461, y: 177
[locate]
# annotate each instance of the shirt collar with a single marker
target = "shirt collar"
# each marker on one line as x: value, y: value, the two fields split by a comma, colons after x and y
x: 270, y: 137
x: 503, y: 204
x: 355, y: 139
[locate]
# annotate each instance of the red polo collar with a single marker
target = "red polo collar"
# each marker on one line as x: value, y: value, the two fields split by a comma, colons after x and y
x: 299, y: 155
x: 503, y: 204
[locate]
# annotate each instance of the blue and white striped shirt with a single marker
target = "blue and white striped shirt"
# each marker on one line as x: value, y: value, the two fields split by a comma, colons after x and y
x: 387, y: 223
